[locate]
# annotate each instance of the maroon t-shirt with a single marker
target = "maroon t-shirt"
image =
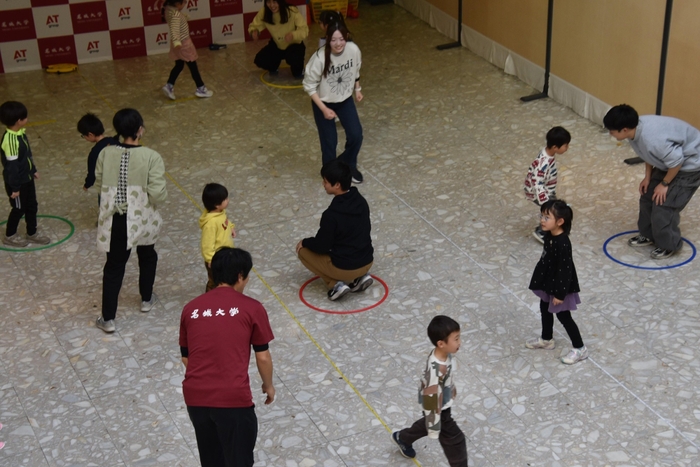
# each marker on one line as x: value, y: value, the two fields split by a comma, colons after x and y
x: 218, y: 329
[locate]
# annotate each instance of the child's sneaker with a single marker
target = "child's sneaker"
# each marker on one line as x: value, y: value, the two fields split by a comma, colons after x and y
x: 540, y: 343
x: 168, y: 90
x: 202, y: 91
x: 148, y: 306
x: 338, y: 291
x: 106, y: 326
x: 38, y: 239
x: 2, y: 444
x: 640, y: 240
x: 361, y: 284
x: 16, y: 240
x: 575, y: 355
x: 406, y: 450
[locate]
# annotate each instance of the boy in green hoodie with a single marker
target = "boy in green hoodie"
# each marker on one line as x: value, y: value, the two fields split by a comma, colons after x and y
x: 217, y: 231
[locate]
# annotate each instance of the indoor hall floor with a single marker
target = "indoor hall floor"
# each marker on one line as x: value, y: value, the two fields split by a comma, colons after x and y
x: 447, y: 146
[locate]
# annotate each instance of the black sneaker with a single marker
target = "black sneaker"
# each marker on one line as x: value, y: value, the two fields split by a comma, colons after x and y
x: 339, y: 291
x: 660, y: 253
x: 361, y: 284
x: 640, y: 240
x: 357, y: 177
x: 406, y: 450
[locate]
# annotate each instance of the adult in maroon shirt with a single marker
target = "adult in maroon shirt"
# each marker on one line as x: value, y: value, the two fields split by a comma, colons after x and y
x: 217, y: 330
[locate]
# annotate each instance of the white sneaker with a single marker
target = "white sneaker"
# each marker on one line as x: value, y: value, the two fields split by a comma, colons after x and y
x: 540, y: 343
x: 106, y: 326
x: 575, y: 355
x: 202, y: 91
x: 168, y: 90
x: 148, y: 306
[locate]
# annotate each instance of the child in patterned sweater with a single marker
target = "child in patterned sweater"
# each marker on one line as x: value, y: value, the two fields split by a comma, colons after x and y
x: 541, y: 180
x: 436, y: 395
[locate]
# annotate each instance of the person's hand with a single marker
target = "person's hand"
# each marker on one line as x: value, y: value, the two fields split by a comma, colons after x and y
x: 289, y: 37
x: 36, y: 175
x: 358, y: 95
x: 270, y: 392
x: 328, y: 113
x: 299, y: 247
x: 233, y: 233
x: 14, y: 194
x: 659, y: 196
x: 255, y: 34
x: 643, y: 185
x: 85, y: 188
x: 556, y: 301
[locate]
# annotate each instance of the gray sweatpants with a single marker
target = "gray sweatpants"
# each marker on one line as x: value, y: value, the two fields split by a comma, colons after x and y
x: 661, y: 223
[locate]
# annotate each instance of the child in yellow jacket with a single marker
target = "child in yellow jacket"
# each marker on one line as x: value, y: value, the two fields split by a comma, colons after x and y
x: 217, y: 231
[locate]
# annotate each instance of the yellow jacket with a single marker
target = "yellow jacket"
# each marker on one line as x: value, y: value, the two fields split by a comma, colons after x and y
x: 217, y: 232
x: 296, y: 24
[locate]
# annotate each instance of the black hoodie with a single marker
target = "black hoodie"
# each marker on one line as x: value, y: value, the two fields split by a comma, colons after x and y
x: 344, y: 232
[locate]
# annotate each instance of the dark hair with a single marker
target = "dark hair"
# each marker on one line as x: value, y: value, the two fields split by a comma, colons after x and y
x: 11, y: 112
x: 560, y: 210
x: 284, y: 12
x: 337, y: 171
x: 89, y: 123
x: 228, y: 264
x: 440, y: 328
x: 213, y: 195
x: 332, y: 28
x: 620, y: 117
x: 127, y: 123
x: 558, y: 136
x: 329, y: 17
x: 168, y: 3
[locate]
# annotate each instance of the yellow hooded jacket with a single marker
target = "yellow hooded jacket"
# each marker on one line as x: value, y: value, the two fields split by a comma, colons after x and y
x: 217, y: 232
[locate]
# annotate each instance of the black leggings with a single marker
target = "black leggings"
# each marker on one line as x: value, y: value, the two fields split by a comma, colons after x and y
x: 179, y: 65
x: 565, y: 319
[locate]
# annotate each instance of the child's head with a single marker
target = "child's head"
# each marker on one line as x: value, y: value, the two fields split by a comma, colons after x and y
x: 556, y: 213
x: 621, y: 121
x: 127, y: 123
x: 214, y: 196
x: 558, y: 138
x: 276, y: 6
x: 443, y: 332
x: 89, y: 124
x: 327, y: 17
x: 337, y: 171
x: 179, y: 4
x: 12, y: 113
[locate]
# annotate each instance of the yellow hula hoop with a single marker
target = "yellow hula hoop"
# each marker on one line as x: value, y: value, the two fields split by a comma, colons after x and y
x: 279, y: 86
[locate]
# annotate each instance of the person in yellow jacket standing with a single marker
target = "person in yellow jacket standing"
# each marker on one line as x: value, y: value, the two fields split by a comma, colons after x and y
x: 288, y: 29
x: 217, y: 230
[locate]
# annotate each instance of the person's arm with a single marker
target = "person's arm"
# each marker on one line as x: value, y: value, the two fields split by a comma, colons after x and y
x: 301, y: 29
x: 431, y: 400
x: 185, y: 356
x: 323, y: 241
x: 208, y: 242
x: 91, y: 162
x: 257, y: 25
x: 157, y: 191
x: 10, y: 146
x: 358, y: 88
x: 263, y: 360
x: 174, y: 25
x: 564, y: 264
x: 540, y: 177
x: 659, y: 196
x: 644, y: 184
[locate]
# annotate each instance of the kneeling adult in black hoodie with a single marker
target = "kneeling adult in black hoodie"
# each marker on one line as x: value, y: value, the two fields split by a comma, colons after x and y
x: 341, y: 252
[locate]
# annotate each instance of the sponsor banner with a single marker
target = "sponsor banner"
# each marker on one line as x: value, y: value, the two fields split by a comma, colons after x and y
x: 196, y: 9
x: 124, y: 14
x: 52, y: 21
x: 227, y: 29
x: 200, y: 32
x: 128, y: 43
x: 225, y: 7
x: 151, y: 12
x: 20, y: 55
x: 17, y: 25
x: 53, y: 50
x: 247, y: 19
x: 14, y: 4
x: 157, y: 39
x: 80, y: 1
x: 253, y: 6
x: 37, y: 3
x: 89, y: 17
x: 93, y: 47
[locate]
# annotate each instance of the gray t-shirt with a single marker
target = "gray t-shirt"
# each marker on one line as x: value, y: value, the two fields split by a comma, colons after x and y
x: 667, y: 142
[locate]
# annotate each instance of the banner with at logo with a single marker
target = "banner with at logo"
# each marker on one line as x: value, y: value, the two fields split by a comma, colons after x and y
x: 37, y: 33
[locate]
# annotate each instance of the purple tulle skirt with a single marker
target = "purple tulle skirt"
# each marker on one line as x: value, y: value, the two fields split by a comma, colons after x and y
x: 569, y: 303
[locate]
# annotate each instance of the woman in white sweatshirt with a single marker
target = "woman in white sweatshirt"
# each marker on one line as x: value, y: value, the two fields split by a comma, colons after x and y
x: 332, y: 74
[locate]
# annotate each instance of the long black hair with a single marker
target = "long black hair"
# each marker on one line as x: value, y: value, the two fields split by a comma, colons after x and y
x: 284, y: 12
x: 560, y: 210
x: 168, y: 3
x: 332, y: 28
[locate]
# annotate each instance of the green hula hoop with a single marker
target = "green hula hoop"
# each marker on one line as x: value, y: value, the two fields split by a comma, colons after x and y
x: 43, y: 247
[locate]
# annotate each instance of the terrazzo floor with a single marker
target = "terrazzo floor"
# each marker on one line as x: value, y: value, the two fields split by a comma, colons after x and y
x: 447, y: 145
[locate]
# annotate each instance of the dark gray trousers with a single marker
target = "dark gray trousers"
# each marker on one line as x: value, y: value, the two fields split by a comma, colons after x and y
x: 452, y: 440
x: 661, y: 223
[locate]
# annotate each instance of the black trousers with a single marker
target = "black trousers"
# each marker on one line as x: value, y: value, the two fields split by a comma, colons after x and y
x: 565, y: 319
x: 225, y: 437
x: 194, y: 71
x: 116, y: 264
x: 270, y: 57
x: 23, y: 205
x: 452, y: 440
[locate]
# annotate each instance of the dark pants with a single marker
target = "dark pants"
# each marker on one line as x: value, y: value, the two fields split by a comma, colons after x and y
x: 452, y: 440
x: 225, y: 437
x: 179, y: 65
x: 565, y: 319
x: 23, y: 205
x: 661, y: 223
x: 270, y: 57
x: 116, y: 264
x: 347, y: 114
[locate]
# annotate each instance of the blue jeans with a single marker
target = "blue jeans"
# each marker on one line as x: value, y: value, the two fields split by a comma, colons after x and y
x: 347, y: 114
